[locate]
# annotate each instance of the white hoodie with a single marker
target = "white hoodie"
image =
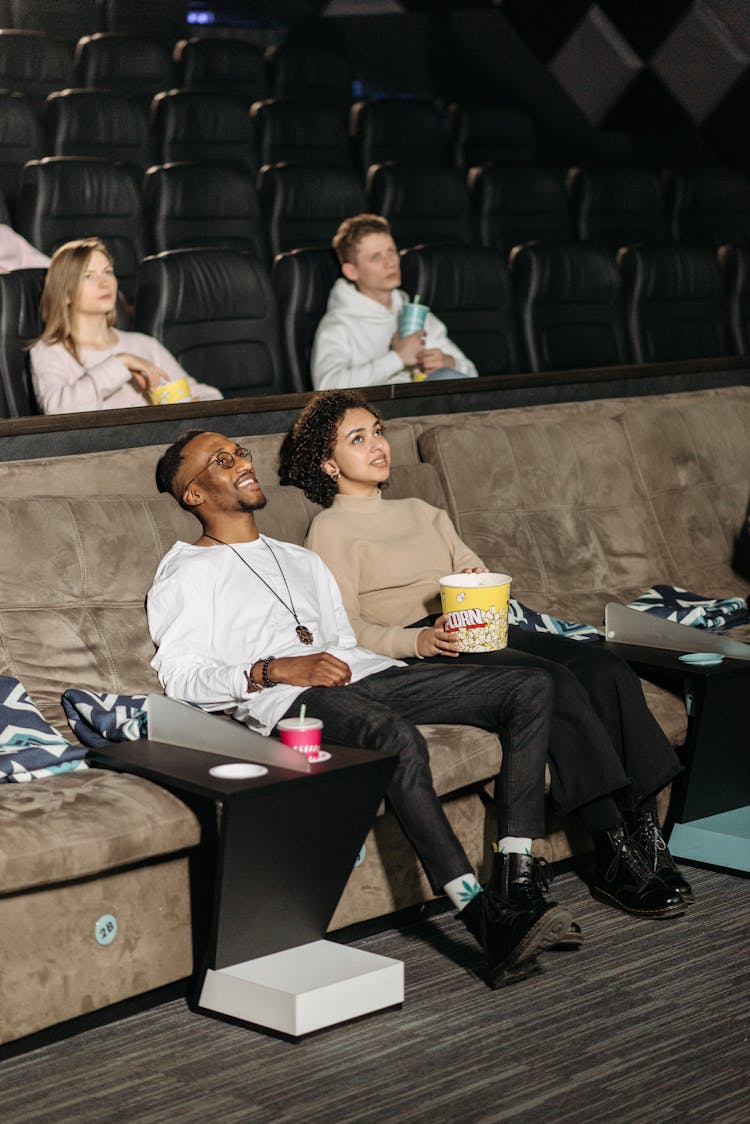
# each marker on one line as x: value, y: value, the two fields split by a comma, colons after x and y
x: 352, y: 346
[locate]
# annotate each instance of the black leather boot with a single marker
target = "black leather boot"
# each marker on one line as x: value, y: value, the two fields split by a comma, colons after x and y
x: 511, y: 935
x: 523, y: 880
x: 645, y: 830
x: 623, y: 878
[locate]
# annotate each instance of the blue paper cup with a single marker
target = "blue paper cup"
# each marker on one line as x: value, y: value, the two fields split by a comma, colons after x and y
x: 411, y: 318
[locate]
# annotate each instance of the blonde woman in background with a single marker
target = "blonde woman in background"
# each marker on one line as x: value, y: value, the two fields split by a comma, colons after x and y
x: 82, y: 361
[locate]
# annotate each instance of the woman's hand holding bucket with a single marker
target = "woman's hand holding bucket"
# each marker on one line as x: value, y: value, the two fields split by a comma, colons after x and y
x: 435, y: 641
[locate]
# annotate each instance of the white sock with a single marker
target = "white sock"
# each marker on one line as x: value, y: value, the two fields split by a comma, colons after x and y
x: 513, y: 845
x: 462, y: 890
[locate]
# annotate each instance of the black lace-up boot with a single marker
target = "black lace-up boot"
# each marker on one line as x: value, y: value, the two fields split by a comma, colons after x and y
x: 525, y: 881
x: 623, y: 878
x: 646, y: 832
x: 512, y: 935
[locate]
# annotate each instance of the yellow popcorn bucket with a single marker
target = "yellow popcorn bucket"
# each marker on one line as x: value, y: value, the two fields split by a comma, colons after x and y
x: 476, y: 609
x: 178, y: 390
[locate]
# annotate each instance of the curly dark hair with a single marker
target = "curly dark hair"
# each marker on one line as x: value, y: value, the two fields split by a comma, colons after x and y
x: 169, y: 463
x: 311, y: 440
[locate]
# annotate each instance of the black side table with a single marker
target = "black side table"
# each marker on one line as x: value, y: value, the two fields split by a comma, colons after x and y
x: 710, y: 806
x: 287, y: 842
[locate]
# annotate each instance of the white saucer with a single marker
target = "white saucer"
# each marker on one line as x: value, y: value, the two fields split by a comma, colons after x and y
x: 238, y: 771
x: 321, y: 755
x: 702, y: 659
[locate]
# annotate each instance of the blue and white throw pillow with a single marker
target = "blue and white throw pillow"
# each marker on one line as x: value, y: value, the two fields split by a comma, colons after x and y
x: 29, y: 747
x: 97, y: 719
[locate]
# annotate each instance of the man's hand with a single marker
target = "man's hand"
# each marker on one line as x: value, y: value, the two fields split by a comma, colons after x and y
x: 408, y: 348
x: 432, y: 359
x: 474, y: 570
x: 318, y: 670
x: 435, y: 642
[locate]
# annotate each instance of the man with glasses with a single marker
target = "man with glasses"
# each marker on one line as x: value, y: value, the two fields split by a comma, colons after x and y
x: 255, y: 627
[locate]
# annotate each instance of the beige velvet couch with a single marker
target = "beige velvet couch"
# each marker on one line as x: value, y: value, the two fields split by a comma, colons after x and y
x: 581, y: 502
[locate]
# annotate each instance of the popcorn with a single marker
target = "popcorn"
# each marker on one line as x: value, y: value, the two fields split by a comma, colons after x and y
x: 479, y: 630
x: 476, y: 609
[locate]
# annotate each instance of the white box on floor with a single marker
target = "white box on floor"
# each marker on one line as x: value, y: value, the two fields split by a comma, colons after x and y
x: 305, y: 988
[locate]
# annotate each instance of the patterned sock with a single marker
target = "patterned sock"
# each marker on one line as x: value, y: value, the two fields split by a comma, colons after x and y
x: 462, y: 890
x: 513, y: 845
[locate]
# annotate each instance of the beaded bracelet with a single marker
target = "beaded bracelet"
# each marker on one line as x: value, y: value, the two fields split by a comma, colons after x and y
x: 264, y: 674
x: 265, y: 681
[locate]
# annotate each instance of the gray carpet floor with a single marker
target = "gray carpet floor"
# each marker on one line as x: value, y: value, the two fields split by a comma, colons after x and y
x: 648, y: 1021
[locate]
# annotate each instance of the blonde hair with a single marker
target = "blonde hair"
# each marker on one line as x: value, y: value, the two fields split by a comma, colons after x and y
x: 60, y: 287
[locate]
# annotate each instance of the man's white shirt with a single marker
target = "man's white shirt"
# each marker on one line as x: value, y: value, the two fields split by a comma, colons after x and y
x: 211, y: 619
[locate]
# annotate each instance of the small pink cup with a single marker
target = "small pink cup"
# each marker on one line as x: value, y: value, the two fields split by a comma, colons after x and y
x: 302, y: 734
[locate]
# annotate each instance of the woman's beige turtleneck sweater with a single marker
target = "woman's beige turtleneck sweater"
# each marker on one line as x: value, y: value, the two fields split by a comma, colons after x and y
x: 387, y: 557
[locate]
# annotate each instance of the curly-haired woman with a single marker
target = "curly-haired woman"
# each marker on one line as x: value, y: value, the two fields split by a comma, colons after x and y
x: 608, y: 755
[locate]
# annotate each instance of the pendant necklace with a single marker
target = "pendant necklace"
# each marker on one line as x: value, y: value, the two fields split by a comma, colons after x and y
x: 303, y: 633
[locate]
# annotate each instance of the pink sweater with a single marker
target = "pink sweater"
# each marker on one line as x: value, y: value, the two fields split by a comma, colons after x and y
x: 62, y: 385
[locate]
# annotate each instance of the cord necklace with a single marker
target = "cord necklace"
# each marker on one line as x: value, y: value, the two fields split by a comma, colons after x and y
x: 303, y: 633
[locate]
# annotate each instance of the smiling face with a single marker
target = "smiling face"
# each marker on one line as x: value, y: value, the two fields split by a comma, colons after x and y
x: 376, y: 269
x: 97, y: 288
x: 361, y: 454
x: 207, y: 487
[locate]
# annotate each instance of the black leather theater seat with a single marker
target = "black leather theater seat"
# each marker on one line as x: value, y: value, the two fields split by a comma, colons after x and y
x: 187, y: 204
x: 422, y: 204
x: 570, y: 306
x: 66, y: 197
x: 216, y: 312
x: 302, y: 280
x: 617, y: 206
x: 20, y: 324
x: 303, y: 204
x: 675, y: 302
x: 469, y: 288
x: 513, y: 205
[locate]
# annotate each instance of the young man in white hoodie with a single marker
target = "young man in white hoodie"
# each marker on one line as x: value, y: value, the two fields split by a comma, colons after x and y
x: 357, y: 342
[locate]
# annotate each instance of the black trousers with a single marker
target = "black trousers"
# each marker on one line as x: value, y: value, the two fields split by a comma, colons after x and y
x: 603, y: 738
x: 382, y: 711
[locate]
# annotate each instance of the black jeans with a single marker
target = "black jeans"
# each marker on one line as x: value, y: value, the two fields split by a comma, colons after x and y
x: 603, y: 738
x: 382, y: 711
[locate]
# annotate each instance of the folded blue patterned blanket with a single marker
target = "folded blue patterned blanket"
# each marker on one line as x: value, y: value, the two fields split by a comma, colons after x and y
x: 532, y: 621
x: 668, y: 601
x: 29, y: 747
x: 97, y: 719
x: 675, y: 604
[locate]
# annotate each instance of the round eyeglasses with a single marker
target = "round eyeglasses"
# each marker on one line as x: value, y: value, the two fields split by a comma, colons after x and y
x: 225, y: 460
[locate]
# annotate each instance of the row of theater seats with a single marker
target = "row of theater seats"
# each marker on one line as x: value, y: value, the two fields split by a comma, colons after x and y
x: 265, y: 130
x: 215, y: 127
x: 558, y: 306
x: 70, y: 19
x: 187, y: 203
x: 134, y: 63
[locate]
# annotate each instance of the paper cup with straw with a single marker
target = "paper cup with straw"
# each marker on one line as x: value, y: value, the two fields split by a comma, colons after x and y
x: 412, y: 316
x: 303, y: 734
